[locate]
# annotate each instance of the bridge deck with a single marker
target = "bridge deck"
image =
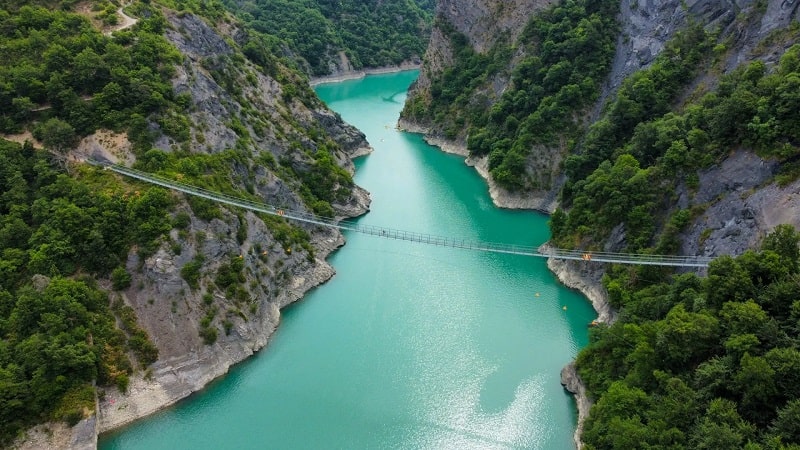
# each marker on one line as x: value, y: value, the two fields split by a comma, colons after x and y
x: 390, y: 233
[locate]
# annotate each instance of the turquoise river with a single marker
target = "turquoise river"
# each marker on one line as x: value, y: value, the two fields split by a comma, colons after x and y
x: 408, y: 346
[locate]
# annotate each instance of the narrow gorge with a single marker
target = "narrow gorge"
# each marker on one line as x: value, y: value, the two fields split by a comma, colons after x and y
x: 637, y: 126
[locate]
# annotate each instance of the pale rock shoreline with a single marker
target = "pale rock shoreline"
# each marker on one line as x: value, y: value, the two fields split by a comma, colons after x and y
x: 500, y: 197
x: 176, y: 379
x: 586, y: 280
x: 357, y: 74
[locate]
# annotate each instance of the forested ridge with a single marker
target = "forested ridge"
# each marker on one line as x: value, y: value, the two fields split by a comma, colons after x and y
x: 63, y: 79
x: 693, y: 362
x: 313, y: 32
x: 57, y: 65
x: 566, y: 53
x: 59, y: 336
x: 67, y: 231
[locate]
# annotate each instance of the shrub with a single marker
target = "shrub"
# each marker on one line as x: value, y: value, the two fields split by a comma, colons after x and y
x: 120, y: 279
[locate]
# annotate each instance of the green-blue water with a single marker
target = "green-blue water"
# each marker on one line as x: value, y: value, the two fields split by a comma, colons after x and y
x: 408, y: 346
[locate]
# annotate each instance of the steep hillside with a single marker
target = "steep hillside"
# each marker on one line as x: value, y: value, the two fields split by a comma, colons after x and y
x: 660, y: 127
x: 524, y: 94
x: 174, y: 289
x: 516, y: 102
x: 329, y: 38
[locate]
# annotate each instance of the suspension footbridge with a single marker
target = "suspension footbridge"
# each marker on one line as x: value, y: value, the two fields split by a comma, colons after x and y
x: 391, y: 233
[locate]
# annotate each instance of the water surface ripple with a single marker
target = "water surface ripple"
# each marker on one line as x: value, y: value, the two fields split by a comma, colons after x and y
x: 408, y: 346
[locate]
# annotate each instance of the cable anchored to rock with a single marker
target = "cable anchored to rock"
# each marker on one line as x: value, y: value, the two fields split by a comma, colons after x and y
x: 411, y: 236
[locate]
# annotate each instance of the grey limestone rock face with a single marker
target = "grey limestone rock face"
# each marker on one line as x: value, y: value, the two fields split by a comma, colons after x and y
x: 485, y: 21
x: 84, y: 434
x: 779, y: 14
x: 573, y: 384
x: 740, y: 172
x: 351, y: 139
x: 742, y: 204
x: 194, y: 38
x: 646, y: 27
x: 172, y: 311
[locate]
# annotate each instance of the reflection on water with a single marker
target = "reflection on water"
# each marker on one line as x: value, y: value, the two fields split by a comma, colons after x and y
x: 408, y: 346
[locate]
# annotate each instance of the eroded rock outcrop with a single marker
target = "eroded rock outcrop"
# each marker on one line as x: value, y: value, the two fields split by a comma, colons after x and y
x: 741, y: 203
x: 572, y: 383
x: 202, y: 328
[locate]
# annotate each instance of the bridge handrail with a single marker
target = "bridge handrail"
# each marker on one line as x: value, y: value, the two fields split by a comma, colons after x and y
x: 444, y: 241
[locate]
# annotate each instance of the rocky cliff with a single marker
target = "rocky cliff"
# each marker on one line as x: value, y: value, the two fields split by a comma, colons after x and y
x: 175, y: 314
x: 201, y: 325
x: 742, y: 27
x: 743, y: 201
x: 487, y: 26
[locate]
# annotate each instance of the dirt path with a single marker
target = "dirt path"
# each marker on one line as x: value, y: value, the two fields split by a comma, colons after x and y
x: 127, y: 22
x: 21, y: 138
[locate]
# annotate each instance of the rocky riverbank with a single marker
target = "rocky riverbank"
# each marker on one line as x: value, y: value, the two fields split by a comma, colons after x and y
x: 545, y: 202
x: 59, y: 435
x: 176, y: 378
x: 572, y: 382
x: 585, y: 278
x: 356, y: 74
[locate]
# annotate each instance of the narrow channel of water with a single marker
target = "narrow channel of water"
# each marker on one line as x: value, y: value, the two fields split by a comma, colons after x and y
x: 408, y: 346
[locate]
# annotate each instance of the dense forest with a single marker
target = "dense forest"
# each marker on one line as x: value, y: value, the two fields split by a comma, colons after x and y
x: 704, y: 363
x: 59, y: 71
x: 57, y: 233
x: 313, y: 32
